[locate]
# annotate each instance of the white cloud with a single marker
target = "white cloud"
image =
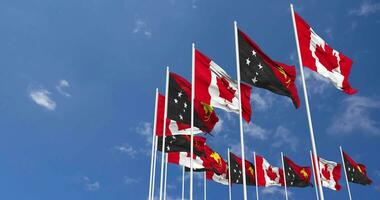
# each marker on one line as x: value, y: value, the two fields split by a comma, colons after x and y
x: 62, y: 84
x: 283, y: 137
x: 328, y: 32
x: 145, y: 129
x: 377, y: 173
x: 275, y: 191
x: 142, y: 27
x: 315, y: 83
x: 91, y: 185
x: 256, y: 131
x: 218, y: 127
x: 261, y: 100
x: 194, y: 4
x: 356, y: 116
x: 236, y: 148
x: 41, y: 97
x: 293, y: 56
x: 129, y: 180
x: 366, y: 8
x: 127, y: 149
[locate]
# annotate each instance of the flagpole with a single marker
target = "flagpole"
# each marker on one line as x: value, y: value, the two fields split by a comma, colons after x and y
x: 153, y: 143
x: 166, y: 174
x: 183, y: 182
x: 257, y: 184
x: 314, y: 148
x: 283, y: 171
x: 229, y: 175
x: 345, y: 173
x: 240, y: 111
x: 204, y: 186
x: 314, y: 175
x: 154, y: 166
x: 192, y: 119
x: 164, y: 132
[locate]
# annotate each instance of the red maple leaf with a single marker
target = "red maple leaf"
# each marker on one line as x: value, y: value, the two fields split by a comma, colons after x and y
x: 325, y: 172
x: 225, y: 90
x: 272, y: 175
x: 326, y: 57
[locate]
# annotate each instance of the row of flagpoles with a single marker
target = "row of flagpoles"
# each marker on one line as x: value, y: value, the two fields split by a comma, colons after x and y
x: 282, y: 78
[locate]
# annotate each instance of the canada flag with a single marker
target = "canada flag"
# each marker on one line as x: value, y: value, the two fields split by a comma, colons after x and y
x: 267, y: 175
x: 320, y: 57
x: 330, y: 173
x: 216, y: 88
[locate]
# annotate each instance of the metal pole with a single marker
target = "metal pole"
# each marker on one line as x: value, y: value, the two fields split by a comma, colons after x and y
x: 164, y: 133
x: 315, y: 180
x: 153, y: 143
x: 240, y: 111
x: 166, y: 175
x: 283, y: 167
x: 154, y: 166
x: 205, y: 187
x: 229, y: 175
x: 345, y: 173
x: 183, y: 182
x: 257, y: 184
x: 192, y: 119
x: 314, y: 148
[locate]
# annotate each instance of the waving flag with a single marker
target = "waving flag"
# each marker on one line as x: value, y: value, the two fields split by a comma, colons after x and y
x: 267, y: 175
x: 213, y: 161
x: 236, y: 167
x: 184, y: 158
x: 172, y: 127
x: 258, y: 70
x: 179, y: 105
x: 216, y: 88
x: 356, y: 173
x: 320, y: 57
x: 219, y: 178
x: 181, y: 143
x: 296, y: 176
x: 330, y: 173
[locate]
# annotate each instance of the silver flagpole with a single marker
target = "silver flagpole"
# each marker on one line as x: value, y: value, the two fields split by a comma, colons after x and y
x: 166, y: 175
x: 192, y: 119
x: 183, y: 182
x: 153, y: 144
x: 345, y: 173
x: 257, y: 184
x: 314, y: 176
x: 283, y: 167
x: 164, y: 133
x: 314, y: 148
x: 229, y: 175
x: 240, y: 111
x: 154, y: 166
x: 204, y: 186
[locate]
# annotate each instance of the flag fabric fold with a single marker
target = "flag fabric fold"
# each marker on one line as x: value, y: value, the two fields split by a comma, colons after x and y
x: 216, y: 88
x: 181, y: 143
x: 179, y: 105
x: 258, y: 70
x: 318, y: 56
x: 330, y: 174
x: 236, y: 167
x: 296, y: 176
x: 356, y: 172
x: 184, y: 158
x: 172, y: 127
x: 267, y: 175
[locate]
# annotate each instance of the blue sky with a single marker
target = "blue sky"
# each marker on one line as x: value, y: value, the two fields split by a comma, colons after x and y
x: 78, y: 78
